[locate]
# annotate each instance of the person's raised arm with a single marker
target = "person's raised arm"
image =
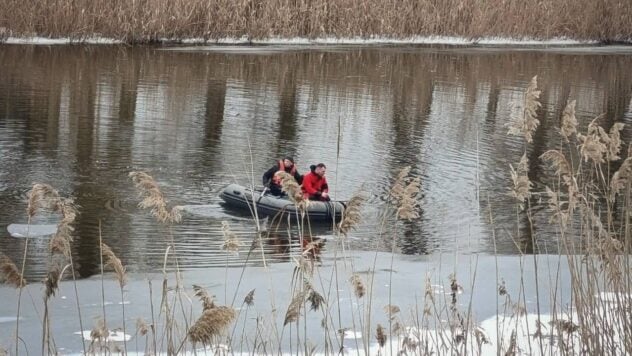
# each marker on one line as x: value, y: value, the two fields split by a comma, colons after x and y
x: 267, y: 176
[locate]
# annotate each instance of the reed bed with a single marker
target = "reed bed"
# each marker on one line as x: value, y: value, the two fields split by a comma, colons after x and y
x: 143, y: 21
x: 589, y: 202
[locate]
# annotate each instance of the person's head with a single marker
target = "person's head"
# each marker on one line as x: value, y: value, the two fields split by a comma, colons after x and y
x: 288, y: 161
x: 320, y: 169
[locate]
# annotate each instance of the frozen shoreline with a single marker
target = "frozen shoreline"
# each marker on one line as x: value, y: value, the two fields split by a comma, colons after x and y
x: 420, y: 40
x: 482, y: 294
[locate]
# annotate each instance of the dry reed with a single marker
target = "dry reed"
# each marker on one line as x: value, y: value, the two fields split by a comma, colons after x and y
x: 404, y: 193
x: 352, y: 214
x: 380, y: 335
x: 250, y: 298
x: 594, y: 144
x: 41, y: 196
x: 153, y: 198
x: 521, y: 184
x: 142, y: 327
x: 231, y: 242
x: 156, y: 20
x: 10, y: 272
x: 294, y: 309
x: 205, y: 298
x: 115, y: 263
x: 568, y: 125
x: 527, y: 122
x: 315, y: 299
x: 358, y: 286
x: 52, y: 280
x: 211, y: 324
x: 293, y: 190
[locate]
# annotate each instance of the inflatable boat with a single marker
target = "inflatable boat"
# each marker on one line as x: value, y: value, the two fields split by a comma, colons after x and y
x: 240, y: 197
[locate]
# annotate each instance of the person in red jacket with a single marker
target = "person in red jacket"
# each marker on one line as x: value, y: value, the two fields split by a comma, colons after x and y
x: 315, y: 184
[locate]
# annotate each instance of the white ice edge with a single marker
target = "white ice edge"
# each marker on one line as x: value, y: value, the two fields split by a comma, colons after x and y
x: 446, y: 40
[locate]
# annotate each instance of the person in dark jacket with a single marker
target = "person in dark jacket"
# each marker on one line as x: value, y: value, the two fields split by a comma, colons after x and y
x: 315, y: 184
x: 272, y: 181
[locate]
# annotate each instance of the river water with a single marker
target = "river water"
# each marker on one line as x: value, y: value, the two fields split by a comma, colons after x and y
x: 80, y: 118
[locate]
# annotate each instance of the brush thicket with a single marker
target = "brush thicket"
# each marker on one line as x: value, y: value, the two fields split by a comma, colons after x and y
x: 152, y: 20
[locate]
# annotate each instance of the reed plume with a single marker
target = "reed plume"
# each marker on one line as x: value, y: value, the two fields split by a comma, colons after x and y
x: 211, y: 324
x: 10, y: 272
x: 312, y: 249
x: 527, y: 122
x: 153, y: 198
x: 562, y: 210
x: 250, y: 298
x: 41, y: 196
x: 404, y: 193
x: 52, y: 280
x: 315, y: 299
x: 380, y: 335
x: 399, y: 185
x: 594, y: 145
x: 231, y: 242
x: 358, y: 286
x: 352, y: 214
x: 205, y: 298
x: 293, y: 190
x: 115, y: 263
x: 521, y: 183
x: 408, y: 205
x: 391, y: 310
x: 621, y: 177
x: 61, y: 241
x: 558, y: 161
x: 294, y: 309
x: 568, y: 126
x: 99, y: 332
x: 614, y: 142
x: 142, y: 327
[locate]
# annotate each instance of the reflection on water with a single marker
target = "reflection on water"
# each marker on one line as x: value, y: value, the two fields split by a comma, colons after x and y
x: 80, y: 118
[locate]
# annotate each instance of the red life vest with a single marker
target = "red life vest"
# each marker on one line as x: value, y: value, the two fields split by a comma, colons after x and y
x: 276, y: 179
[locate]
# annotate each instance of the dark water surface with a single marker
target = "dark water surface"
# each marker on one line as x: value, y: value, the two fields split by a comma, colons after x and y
x: 81, y: 118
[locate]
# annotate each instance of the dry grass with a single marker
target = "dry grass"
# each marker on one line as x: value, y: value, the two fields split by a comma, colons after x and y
x: 153, y: 20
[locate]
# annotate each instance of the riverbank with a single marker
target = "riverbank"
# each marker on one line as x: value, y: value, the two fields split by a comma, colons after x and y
x: 303, y: 41
x: 151, y: 21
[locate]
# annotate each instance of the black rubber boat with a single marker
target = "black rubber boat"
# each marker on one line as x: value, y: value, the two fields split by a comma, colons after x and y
x: 240, y: 197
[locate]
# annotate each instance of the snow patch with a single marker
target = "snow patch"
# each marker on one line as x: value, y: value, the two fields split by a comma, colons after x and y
x: 59, y: 41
